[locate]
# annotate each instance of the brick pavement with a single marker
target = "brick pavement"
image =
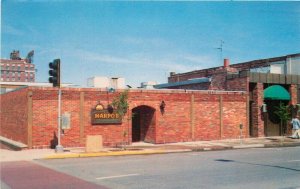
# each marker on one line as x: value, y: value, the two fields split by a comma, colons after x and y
x: 24, y: 175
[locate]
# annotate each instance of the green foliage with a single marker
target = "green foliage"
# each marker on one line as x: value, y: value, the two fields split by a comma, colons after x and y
x: 120, y: 103
x: 282, y: 111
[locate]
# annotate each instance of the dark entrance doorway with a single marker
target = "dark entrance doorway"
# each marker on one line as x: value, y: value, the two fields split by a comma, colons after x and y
x: 274, y: 95
x: 273, y: 126
x: 143, y: 124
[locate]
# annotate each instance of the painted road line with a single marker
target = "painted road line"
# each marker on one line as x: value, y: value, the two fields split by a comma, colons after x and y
x: 294, y: 160
x: 117, y: 176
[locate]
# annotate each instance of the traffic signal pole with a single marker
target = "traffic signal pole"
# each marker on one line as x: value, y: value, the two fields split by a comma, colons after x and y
x: 59, y: 147
x: 54, y: 78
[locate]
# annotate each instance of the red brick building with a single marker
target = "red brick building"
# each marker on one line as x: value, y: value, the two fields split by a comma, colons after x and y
x: 17, y: 69
x: 254, y: 77
x: 206, y: 104
x: 29, y: 115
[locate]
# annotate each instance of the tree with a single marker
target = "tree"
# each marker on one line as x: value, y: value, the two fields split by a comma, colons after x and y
x: 120, y: 103
x: 282, y: 111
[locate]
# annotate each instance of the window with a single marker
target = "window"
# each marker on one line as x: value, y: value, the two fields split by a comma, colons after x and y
x: 7, y: 67
x: 19, y: 79
x: 19, y: 68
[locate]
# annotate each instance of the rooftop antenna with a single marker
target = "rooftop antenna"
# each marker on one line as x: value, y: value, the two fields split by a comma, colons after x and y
x: 221, y: 49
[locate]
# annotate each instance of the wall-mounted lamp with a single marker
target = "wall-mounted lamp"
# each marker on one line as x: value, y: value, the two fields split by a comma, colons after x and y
x: 162, y: 107
x: 264, y: 108
x: 111, y: 90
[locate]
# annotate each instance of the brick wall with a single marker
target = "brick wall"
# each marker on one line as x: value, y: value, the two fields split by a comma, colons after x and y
x: 238, y: 84
x: 293, y: 91
x: 188, y: 116
x: 258, y: 119
x: 14, y: 116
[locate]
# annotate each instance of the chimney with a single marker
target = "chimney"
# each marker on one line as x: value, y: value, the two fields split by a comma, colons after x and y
x: 226, y: 63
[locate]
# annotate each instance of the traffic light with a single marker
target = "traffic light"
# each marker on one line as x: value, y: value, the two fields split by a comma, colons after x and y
x: 54, y: 72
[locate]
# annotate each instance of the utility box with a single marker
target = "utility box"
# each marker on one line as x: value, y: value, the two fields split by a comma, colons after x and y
x: 66, y: 121
x: 93, y: 143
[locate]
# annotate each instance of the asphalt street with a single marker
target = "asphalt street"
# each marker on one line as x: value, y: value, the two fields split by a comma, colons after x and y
x: 244, y: 168
x: 247, y: 168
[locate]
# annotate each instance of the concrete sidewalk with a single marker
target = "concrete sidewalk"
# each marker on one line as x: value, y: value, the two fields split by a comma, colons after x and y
x: 141, y: 148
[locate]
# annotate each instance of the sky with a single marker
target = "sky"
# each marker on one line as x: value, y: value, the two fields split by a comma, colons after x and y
x: 144, y: 41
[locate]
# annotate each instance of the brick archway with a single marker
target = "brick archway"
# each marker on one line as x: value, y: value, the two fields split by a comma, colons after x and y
x: 143, y: 124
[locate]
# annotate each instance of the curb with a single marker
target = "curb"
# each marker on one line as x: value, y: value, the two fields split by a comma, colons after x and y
x: 102, y: 154
x: 14, y: 145
x: 149, y: 152
x: 213, y: 148
x: 242, y: 146
x: 282, y: 145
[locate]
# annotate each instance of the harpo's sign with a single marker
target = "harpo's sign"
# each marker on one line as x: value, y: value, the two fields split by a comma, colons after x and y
x: 103, y: 116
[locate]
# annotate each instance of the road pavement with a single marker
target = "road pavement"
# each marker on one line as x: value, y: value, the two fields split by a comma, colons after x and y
x: 242, y: 168
x: 254, y: 162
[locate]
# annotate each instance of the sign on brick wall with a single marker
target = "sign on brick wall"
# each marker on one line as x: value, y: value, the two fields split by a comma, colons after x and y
x: 104, y: 116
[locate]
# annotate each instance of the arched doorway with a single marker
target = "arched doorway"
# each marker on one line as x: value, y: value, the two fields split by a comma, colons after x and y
x: 143, y: 124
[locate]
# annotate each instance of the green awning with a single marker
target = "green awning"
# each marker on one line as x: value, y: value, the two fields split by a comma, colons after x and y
x: 276, y: 92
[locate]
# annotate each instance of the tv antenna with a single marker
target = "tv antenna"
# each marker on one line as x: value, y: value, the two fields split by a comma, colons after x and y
x: 221, y: 49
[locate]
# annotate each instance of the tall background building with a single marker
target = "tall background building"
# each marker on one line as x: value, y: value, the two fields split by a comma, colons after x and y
x: 17, y: 69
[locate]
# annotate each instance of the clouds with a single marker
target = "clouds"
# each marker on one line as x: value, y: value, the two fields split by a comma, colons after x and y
x: 10, y: 30
x: 154, y: 42
x: 167, y: 62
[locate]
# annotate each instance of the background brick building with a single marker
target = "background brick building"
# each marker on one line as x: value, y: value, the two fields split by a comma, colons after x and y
x: 17, y: 69
x: 254, y: 77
